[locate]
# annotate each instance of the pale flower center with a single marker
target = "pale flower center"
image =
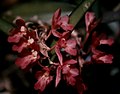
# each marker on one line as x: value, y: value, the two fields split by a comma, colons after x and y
x: 34, y: 53
x: 31, y: 40
x: 22, y: 29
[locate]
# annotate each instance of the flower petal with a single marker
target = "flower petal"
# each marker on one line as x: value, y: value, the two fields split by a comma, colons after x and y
x: 64, y: 23
x: 25, y: 61
x: 57, y: 50
x: 19, y: 48
x: 40, y: 84
x: 56, y: 33
x: 70, y: 48
x: 64, y: 19
x: 43, y: 81
x: 74, y: 72
x: 65, y: 69
x: 106, y: 58
x: 20, y: 22
x: 15, y: 38
x: 56, y: 17
x: 58, y: 76
x: 67, y: 27
x: 89, y: 17
x: 71, y: 61
x: 71, y: 43
x: 70, y: 80
x: 71, y: 51
x: 109, y: 41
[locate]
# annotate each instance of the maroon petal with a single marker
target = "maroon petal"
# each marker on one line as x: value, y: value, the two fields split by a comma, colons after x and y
x: 74, y: 72
x: 97, y: 52
x: 38, y: 74
x: 64, y: 23
x: 56, y: 17
x: 70, y: 47
x: 62, y: 42
x: 19, y: 48
x: 81, y: 87
x: 81, y: 61
x: 40, y: 84
x: 58, y: 75
x: 65, y: 69
x: 43, y: 81
x: 56, y: 33
x: 71, y: 61
x: 70, y: 80
x: 57, y: 50
x: 25, y: 61
x: 109, y: 41
x: 71, y: 43
x: 64, y: 19
x: 71, y: 51
x: 106, y: 58
x: 67, y: 27
x: 20, y: 22
x: 15, y: 38
x: 89, y: 17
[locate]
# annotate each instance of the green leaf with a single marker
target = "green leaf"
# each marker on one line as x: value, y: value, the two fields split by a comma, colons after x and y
x: 79, y: 11
x: 44, y: 10
x: 5, y: 26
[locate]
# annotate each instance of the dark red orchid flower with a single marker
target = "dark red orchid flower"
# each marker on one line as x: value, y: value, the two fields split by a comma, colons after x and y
x: 68, y: 53
x: 61, y: 23
x: 101, y: 57
x: 69, y: 46
x: 43, y: 80
x: 67, y: 71
x: 24, y: 62
x: 90, y: 21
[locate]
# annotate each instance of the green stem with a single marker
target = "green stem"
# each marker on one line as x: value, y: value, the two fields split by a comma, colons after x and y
x: 79, y: 11
x: 5, y: 26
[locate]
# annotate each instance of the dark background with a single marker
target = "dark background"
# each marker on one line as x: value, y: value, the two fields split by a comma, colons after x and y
x: 99, y: 78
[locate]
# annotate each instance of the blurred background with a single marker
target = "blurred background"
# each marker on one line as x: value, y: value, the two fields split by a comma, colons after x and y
x: 99, y: 78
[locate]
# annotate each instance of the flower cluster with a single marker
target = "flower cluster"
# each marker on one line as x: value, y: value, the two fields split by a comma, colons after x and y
x: 58, y: 49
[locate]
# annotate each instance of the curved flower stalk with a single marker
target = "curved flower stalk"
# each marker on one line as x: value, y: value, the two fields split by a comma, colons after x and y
x: 58, y: 50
